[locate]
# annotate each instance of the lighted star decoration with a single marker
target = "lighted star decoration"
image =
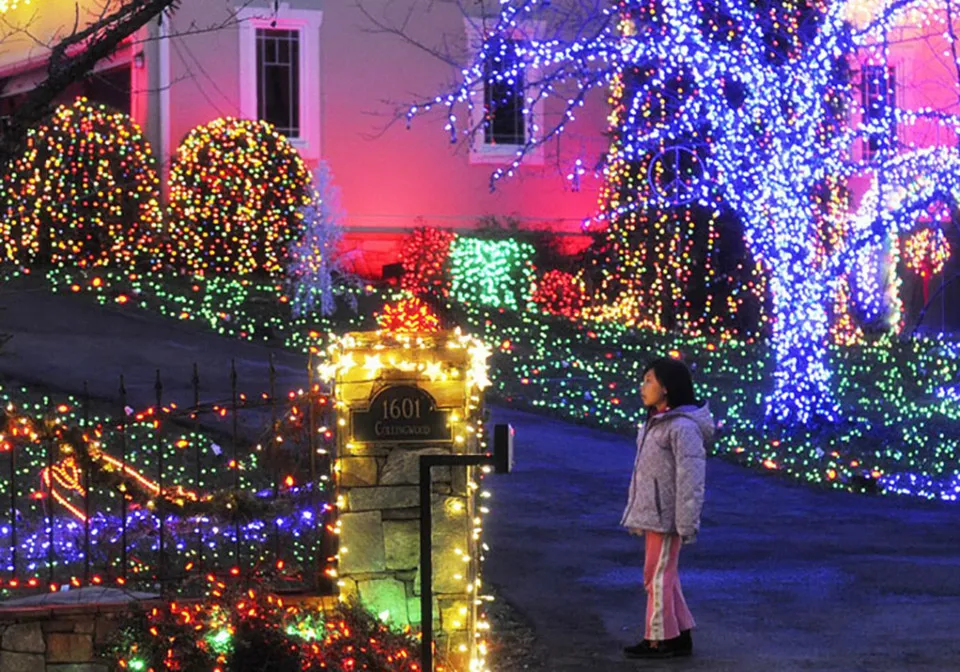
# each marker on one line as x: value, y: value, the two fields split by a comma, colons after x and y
x: 763, y: 93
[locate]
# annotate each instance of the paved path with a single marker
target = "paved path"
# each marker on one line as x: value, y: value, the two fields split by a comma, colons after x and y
x: 784, y: 577
x: 61, y: 341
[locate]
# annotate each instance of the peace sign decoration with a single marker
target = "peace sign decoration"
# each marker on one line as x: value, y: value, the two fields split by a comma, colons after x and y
x: 677, y: 174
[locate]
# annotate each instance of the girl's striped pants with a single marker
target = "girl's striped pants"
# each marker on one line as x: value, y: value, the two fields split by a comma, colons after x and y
x: 667, y: 612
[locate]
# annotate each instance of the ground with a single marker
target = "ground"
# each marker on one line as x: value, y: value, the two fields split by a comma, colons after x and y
x: 784, y: 577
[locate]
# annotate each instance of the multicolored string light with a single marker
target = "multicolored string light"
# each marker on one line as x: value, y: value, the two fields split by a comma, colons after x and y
x: 88, y: 492
x: 925, y: 253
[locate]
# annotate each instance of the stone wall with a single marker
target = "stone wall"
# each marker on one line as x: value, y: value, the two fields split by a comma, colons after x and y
x: 45, y: 640
x: 380, y: 540
x: 377, y: 375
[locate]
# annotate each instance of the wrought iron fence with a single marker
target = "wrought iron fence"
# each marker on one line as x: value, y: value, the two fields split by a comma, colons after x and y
x: 151, y: 498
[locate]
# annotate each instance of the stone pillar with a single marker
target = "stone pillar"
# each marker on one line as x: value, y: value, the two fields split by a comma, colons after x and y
x: 378, y: 478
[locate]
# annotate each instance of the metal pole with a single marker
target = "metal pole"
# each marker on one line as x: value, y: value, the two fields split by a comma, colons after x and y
x: 123, y: 493
x: 158, y: 389
x: 236, y: 463
x: 198, y: 454
x: 274, y: 449
x: 426, y: 566
x: 86, y: 490
x: 13, y: 506
x: 312, y: 396
x: 50, y: 533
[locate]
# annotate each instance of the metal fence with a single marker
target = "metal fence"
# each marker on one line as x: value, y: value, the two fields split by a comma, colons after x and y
x: 151, y: 498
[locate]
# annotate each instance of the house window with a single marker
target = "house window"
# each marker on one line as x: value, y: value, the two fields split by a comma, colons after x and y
x: 278, y: 79
x: 503, y: 97
x: 878, y: 88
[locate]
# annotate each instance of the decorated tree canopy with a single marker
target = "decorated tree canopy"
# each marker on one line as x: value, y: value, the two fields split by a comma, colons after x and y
x: 745, y: 102
x: 237, y: 188
x: 84, y: 191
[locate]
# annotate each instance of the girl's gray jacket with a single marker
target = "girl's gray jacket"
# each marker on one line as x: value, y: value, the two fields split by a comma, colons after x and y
x: 669, y: 473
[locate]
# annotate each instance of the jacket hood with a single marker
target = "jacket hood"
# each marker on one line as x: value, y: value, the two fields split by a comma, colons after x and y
x: 700, y: 415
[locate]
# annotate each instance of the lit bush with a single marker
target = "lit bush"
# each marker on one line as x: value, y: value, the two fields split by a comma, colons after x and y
x: 236, y: 192
x: 83, y: 191
x: 496, y: 273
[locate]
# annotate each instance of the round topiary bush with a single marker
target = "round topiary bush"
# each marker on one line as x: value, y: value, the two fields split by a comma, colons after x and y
x: 236, y: 190
x: 83, y: 191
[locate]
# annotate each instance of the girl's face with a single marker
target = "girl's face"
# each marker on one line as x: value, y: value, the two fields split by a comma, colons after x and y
x: 652, y: 392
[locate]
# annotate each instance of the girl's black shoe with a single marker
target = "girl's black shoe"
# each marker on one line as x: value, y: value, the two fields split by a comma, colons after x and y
x: 682, y: 645
x: 647, y: 650
x: 669, y: 648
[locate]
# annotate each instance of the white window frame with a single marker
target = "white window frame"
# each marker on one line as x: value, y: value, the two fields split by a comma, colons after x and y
x: 482, y: 152
x: 898, y: 66
x: 307, y: 23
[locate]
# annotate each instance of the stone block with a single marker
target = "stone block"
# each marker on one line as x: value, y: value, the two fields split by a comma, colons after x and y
x: 78, y: 667
x: 385, y: 596
x: 86, y: 627
x: 358, y: 471
x: 348, y: 589
x: 451, y: 544
x: 454, y: 614
x: 23, y: 638
x: 69, y: 647
x: 105, y: 627
x: 413, y: 612
x: 458, y: 646
x: 21, y: 662
x: 361, y: 534
x: 59, y: 626
x: 458, y: 482
x: 402, y: 543
x: 410, y: 513
x: 377, y: 499
x: 403, y: 467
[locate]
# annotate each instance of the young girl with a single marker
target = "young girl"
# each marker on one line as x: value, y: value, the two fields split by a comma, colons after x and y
x: 665, y: 500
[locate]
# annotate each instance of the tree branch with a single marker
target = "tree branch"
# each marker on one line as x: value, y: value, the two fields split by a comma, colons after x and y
x: 99, y: 40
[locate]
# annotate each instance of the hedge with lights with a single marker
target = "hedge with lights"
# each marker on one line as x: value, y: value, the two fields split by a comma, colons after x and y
x: 491, y: 272
x: 83, y: 191
x: 237, y: 190
x: 424, y: 255
x: 560, y: 293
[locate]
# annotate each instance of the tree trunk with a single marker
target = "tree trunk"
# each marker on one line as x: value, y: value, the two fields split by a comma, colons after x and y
x: 802, y: 393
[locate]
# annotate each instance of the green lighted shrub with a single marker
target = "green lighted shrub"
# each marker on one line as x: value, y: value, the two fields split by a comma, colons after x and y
x: 496, y: 273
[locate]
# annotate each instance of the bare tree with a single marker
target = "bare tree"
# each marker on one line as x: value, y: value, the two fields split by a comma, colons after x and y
x: 74, y: 57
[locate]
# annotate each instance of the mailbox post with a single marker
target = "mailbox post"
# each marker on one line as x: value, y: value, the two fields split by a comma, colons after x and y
x: 502, y: 462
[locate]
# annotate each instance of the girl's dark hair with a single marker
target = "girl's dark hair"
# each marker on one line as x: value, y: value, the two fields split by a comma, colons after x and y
x: 675, y: 377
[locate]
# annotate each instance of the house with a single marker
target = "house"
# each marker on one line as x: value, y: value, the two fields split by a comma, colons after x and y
x: 337, y: 77
x: 338, y: 87
x: 913, y: 70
